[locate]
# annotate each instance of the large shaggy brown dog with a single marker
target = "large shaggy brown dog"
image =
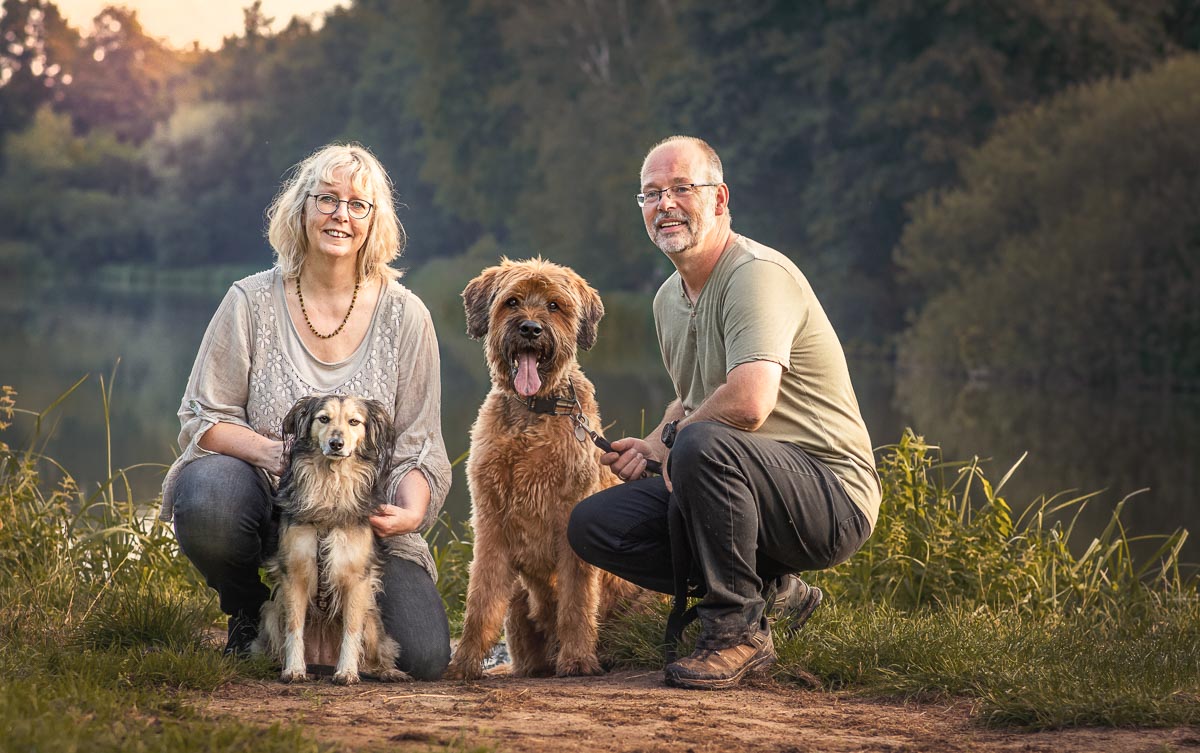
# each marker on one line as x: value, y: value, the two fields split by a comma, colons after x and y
x: 327, y: 568
x: 527, y: 470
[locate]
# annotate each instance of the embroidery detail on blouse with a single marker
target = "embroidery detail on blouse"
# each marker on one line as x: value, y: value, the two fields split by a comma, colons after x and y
x: 275, y: 384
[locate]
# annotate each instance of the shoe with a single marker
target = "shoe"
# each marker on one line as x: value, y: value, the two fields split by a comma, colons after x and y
x: 243, y: 629
x: 718, y: 669
x: 796, y: 601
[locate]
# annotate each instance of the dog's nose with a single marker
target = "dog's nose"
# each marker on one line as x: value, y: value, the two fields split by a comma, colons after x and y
x: 530, y: 329
x: 336, y: 444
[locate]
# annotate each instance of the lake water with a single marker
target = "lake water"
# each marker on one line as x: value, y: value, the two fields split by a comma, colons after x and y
x: 1075, y: 440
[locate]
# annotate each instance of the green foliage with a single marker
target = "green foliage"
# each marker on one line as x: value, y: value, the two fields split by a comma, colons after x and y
x: 1076, y: 218
x: 524, y: 122
x: 72, y: 197
x: 946, y: 537
x: 953, y: 597
x: 101, y: 619
x: 452, y: 552
x: 1036, y: 671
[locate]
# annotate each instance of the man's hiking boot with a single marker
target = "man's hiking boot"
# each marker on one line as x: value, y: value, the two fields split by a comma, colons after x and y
x: 718, y: 669
x: 796, y: 601
x: 243, y: 629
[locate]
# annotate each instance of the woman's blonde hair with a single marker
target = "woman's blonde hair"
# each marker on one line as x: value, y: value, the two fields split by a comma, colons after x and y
x: 285, y: 217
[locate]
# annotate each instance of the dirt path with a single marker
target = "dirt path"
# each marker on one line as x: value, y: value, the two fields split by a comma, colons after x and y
x: 630, y: 712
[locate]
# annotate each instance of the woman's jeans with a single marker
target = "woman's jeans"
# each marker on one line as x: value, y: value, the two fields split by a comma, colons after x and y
x: 224, y: 525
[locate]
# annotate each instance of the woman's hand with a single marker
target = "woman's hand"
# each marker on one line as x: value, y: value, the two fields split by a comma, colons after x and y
x: 408, y: 512
x: 390, y: 520
x: 272, y: 461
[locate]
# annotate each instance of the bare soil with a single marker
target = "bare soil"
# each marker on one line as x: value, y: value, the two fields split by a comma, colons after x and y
x: 633, y: 712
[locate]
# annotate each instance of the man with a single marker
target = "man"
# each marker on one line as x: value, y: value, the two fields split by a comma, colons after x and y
x: 767, y: 465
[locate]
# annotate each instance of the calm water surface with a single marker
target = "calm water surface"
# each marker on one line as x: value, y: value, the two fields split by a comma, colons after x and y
x: 1074, y: 440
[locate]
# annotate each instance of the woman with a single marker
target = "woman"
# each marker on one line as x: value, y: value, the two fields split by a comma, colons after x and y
x: 329, y: 317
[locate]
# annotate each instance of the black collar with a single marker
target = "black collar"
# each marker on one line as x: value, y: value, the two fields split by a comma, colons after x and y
x: 552, y: 405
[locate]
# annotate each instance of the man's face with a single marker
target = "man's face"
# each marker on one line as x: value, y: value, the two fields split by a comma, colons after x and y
x: 678, y: 223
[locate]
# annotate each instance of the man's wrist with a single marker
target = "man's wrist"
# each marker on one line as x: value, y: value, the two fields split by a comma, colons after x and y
x: 669, y: 430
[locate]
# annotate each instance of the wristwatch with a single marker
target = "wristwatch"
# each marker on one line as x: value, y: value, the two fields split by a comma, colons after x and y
x: 668, y: 433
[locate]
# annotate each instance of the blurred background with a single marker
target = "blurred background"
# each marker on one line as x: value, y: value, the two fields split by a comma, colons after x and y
x: 998, y: 203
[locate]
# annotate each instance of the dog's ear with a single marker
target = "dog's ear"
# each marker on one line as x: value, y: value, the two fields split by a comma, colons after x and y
x: 381, y: 432
x: 477, y: 301
x: 592, y: 311
x: 298, y: 421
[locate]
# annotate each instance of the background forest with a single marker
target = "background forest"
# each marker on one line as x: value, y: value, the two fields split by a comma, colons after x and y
x: 980, y: 187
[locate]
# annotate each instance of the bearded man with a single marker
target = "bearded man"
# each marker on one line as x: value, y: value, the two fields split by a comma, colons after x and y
x: 767, y: 464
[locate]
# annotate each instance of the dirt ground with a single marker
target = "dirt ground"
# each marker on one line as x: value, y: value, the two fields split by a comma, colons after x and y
x: 633, y: 712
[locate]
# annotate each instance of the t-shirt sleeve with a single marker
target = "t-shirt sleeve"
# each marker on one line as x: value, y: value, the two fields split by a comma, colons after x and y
x: 765, y: 309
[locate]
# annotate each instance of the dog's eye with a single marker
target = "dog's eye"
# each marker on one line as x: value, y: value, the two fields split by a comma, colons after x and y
x: 355, y: 422
x: 552, y: 305
x: 323, y: 419
x: 512, y: 303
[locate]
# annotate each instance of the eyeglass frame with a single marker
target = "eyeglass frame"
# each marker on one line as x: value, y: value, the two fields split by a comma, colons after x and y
x: 642, y: 197
x: 317, y: 201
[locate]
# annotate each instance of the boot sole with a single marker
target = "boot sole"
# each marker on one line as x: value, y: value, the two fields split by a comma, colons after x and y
x: 721, y: 683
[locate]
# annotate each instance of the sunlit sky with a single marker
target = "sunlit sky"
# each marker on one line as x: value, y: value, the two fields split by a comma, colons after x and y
x: 181, y: 22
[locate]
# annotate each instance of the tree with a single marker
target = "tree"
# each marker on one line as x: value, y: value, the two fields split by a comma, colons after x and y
x: 123, y: 82
x: 1073, y: 248
x: 849, y: 109
x: 38, y: 53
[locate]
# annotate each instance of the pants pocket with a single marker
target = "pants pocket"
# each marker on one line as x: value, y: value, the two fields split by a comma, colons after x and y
x: 851, y: 533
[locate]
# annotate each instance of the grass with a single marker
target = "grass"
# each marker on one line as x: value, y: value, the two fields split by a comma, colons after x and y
x: 953, y: 598
x: 103, y: 624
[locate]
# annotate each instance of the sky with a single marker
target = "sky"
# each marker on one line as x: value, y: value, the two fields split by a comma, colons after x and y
x: 181, y: 22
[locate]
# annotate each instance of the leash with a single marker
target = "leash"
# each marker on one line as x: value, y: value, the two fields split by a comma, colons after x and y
x: 569, y: 406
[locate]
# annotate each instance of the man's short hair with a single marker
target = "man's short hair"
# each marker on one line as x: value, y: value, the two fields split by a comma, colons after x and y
x: 716, y: 173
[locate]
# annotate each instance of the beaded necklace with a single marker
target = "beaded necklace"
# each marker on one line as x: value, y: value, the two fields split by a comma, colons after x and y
x: 345, y: 319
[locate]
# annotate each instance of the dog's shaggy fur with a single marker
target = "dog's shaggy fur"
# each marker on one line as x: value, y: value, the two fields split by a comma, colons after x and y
x: 326, y: 571
x: 526, y: 472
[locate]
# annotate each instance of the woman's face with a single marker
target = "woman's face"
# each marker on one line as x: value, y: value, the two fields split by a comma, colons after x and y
x: 336, y: 235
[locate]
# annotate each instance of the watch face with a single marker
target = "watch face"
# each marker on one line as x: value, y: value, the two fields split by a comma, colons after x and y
x: 668, y: 434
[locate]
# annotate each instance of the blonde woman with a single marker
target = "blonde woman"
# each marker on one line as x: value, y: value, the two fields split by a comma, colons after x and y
x: 329, y: 318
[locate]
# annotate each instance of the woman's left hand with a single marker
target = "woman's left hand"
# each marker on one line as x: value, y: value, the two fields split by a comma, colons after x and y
x: 390, y: 520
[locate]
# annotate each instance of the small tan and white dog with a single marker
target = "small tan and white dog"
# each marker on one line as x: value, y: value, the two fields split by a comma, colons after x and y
x: 326, y: 571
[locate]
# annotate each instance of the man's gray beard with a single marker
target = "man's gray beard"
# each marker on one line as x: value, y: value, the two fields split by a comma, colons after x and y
x: 676, y: 245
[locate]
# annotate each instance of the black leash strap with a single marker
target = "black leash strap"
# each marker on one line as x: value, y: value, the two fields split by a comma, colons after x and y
x: 652, y: 466
x: 569, y: 406
x: 681, y: 563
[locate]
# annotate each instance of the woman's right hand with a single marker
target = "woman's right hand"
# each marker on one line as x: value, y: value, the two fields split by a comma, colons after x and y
x: 273, y: 460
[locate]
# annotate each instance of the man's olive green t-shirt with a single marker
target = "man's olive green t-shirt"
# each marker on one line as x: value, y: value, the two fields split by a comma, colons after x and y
x: 758, y: 306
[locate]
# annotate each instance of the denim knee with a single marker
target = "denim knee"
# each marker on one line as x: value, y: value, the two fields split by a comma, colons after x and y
x: 222, y: 507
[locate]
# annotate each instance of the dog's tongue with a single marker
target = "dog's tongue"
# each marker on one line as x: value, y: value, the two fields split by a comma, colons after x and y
x: 527, y: 382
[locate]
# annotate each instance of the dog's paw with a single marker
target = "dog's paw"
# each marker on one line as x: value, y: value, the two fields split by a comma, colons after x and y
x: 464, y: 671
x: 346, y: 678
x: 394, y: 675
x: 294, y: 675
x: 578, y: 667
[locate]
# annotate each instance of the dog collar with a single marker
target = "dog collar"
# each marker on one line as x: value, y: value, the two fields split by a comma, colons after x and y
x: 553, y: 405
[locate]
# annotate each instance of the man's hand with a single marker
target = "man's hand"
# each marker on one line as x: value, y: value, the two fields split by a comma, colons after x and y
x: 390, y: 520
x: 628, y: 460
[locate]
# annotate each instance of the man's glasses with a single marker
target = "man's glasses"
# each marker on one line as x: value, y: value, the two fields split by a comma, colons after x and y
x: 327, y: 203
x: 682, y: 191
